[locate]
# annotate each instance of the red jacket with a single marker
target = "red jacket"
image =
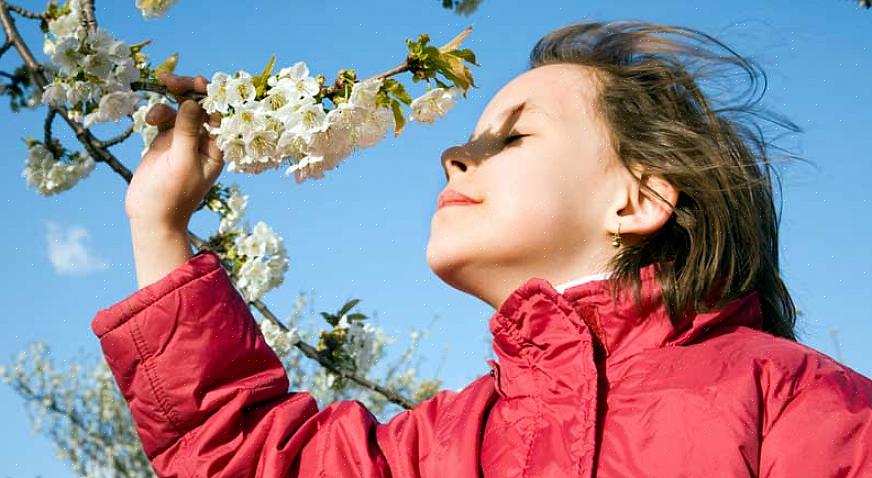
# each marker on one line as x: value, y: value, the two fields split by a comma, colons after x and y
x: 582, y: 388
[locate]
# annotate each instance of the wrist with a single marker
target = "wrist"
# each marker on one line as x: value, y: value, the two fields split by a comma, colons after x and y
x: 158, y: 249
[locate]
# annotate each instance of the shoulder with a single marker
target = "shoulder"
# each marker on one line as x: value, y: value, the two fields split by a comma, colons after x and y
x: 791, y: 374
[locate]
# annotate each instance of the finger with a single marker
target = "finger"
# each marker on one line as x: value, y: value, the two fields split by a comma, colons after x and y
x: 162, y: 116
x: 208, y: 146
x: 200, y: 84
x: 186, y: 133
x: 162, y: 140
x: 177, y: 84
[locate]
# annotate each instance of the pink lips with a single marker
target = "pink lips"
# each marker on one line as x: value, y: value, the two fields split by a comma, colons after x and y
x: 452, y: 197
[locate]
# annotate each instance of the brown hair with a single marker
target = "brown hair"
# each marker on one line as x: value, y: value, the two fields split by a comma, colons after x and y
x: 721, y: 241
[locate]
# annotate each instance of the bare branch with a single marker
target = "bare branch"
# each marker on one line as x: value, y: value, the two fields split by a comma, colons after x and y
x: 118, y: 139
x: 25, y: 13
x: 52, y: 144
x: 7, y: 75
x: 5, y: 47
x: 88, y: 18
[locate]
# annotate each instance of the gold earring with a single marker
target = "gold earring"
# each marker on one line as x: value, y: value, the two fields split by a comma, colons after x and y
x: 616, y: 237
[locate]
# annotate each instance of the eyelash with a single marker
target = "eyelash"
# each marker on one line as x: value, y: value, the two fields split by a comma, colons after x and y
x: 512, y: 138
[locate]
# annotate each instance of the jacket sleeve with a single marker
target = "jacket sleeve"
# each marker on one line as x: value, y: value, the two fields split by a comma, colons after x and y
x: 822, y: 424
x: 210, y: 398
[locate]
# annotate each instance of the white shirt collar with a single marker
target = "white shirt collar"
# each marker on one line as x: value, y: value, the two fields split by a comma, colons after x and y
x: 581, y: 280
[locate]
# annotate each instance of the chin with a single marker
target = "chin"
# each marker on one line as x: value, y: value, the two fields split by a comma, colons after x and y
x: 448, y: 262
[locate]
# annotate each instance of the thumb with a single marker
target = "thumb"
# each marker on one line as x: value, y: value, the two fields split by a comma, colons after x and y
x: 187, y: 128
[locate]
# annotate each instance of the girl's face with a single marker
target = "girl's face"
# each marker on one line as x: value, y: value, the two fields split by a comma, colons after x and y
x: 548, y: 184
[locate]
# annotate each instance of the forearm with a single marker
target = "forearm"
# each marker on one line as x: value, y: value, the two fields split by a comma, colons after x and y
x: 157, y: 250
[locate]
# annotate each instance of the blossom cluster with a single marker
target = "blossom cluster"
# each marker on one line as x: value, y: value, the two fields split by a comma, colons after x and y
x: 365, y: 343
x: 265, y: 261
x: 50, y: 174
x: 432, y: 104
x: 288, y: 122
x: 94, y: 70
x: 154, y: 8
x: 147, y: 131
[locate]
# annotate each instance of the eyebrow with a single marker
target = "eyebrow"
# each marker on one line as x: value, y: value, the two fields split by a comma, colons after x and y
x: 514, y: 111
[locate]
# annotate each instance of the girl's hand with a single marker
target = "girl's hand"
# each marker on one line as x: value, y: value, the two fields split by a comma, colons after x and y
x: 181, y: 165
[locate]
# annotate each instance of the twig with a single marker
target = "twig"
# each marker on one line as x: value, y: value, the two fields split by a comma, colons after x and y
x: 121, y: 137
x: 47, y: 136
x: 191, y: 95
x: 89, y: 21
x: 98, y: 151
x: 83, y: 134
x: 25, y: 13
x: 310, y: 351
x: 163, y: 90
x: 5, y: 47
x: 313, y: 354
x: 7, y: 75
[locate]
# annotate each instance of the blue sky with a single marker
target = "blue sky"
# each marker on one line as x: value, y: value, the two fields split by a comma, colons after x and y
x: 362, y: 231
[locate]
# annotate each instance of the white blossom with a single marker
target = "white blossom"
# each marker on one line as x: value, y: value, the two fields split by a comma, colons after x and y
x: 265, y: 261
x: 113, y: 107
x: 301, y: 82
x: 279, y: 340
x: 365, y: 342
x: 240, y: 89
x: 433, y: 103
x: 237, y: 203
x: 147, y: 131
x: 50, y: 175
x: 66, y: 55
x: 216, y: 91
x: 154, y: 8
x: 55, y: 94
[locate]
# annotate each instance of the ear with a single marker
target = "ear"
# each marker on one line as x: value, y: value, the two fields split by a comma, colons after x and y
x: 638, y: 210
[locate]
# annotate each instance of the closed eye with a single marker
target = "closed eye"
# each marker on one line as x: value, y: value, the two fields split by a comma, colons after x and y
x: 512, y: 138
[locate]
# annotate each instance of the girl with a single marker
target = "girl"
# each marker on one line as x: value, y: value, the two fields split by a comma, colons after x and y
x: 622, y: 225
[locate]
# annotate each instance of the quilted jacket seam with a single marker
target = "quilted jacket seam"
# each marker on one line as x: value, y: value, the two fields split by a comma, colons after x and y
x: 156, y: 388
x: 131, y: 312
x: 536, y: 419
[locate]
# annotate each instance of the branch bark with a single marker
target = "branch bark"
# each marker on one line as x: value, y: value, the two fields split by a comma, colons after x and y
x: 26, y: 13
x: 121, y: 137
x: 6, y: 46
x: 98, y: 150
x: 88, y: 18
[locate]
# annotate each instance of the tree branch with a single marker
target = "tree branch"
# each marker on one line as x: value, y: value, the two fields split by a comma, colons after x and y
x: 121, y: 137
x: 83, y: 134
x: 26, y: 13
x: 48, y: 140
x: 88, y: 18
x: 5, y: 47
x: 98, y: 151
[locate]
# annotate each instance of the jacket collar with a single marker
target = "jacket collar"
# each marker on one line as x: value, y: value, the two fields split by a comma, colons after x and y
x: 537, y: 316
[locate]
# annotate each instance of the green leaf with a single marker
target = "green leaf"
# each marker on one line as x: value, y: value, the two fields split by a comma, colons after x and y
x: 466, y: 55
x: 260, y: 81
x: 137, y: 47
x: 399, y: 118
x: 168, y: 65
x: 330, y: 318
x: 347, y: 307
x: 397, y: 89
x: 356, y: 316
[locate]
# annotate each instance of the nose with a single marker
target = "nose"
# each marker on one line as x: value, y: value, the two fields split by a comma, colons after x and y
x: 455, y: 159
